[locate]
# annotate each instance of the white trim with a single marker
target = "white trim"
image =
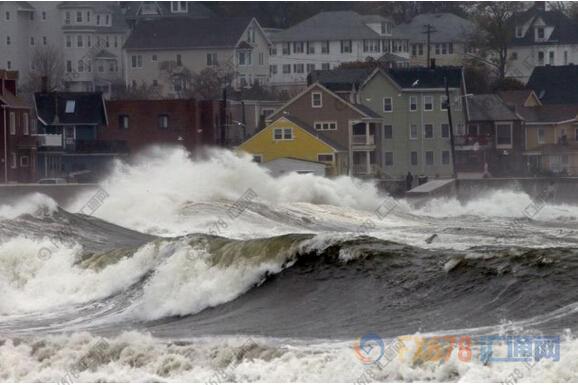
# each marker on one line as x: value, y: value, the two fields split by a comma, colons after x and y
x: 409, y: 103
x: 505, y: 146
x: 432, y: 131
x: 424, y: 103
x: 391, y: 104
x: 417, y: 132
x: 320, y: 99
x: 322, y: 122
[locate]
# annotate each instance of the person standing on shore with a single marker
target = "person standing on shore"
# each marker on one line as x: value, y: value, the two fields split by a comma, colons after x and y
x: 408, y: 181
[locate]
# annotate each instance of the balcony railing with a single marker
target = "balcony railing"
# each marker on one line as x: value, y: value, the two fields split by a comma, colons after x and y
x: 363, y: 140
x: 97, y: 146
x: 364, y: 169
x: 470, y: 140
x: 49, y: 140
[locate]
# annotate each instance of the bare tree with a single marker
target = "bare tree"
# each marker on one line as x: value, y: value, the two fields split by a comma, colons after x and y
x: 209, y: 83
x: 46, y: 63
x: 494, y: 32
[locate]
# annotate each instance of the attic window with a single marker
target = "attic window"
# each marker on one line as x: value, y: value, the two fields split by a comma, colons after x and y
x: 70, y: 104
x: 178, y: 6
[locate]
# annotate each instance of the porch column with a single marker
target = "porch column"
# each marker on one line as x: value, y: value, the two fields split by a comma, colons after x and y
x: 368, y: 161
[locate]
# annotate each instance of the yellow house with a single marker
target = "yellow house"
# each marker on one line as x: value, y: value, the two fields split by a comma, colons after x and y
x: 288, y: 137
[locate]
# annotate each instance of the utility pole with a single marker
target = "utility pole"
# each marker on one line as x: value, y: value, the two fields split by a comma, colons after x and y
x: 223, y: 117
x: 449, y: 108
x: 428, y: 30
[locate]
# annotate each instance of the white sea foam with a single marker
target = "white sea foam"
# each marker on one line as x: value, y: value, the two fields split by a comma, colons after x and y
x: 137, y: 357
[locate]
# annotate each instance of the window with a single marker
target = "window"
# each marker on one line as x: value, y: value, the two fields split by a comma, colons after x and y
x: 273, y: 69
x: 325, y: 66
x: 286, y: 49
x: 79, y: 41
x: 44, y: 40
x: 541, y: 58
x: 244, y: 58
x: 115, y: 41
x: 298, y: 47
x: 123, y: 122
x: 261, y: 58
x: 540, y: 32
x: 7, y: 16
x: 178, y: 6
x: 70, y: 105
x: 13, y: 163
x: 325, y: 126
x: 136, y: 61
x: 97, y: 19
x: 154, y: 58
x: 551, y: 57
x: 325, y: 47
x: 107, y: 19
x: 179, y: 60
x: 68, y: 66
x: 387, y: 131
x: 428, y: 103
x: 316, y: 100
x: 445, y: 130
x: 299, y: 68
x: 445, y: 157
x: 444, y: 49
x: 258, y: 158
x: 428, y: 131
x: 413, y: 103
x: 67, y: 17
x: 24, y: 161
x: 163, y: 121
x: 310, y: 48
x: 371, y: 45
x: 31, y: 40
x: 286, y: 68
x: 26, y: 124
x: 79, y: 17
x: 387, y: 104
x: 43, y: 15
x: 12, y: 123
x: 251, y: 35
x: 437, y: 49
x: 540, y: 134
x: 68, y: 41
x: 88, y: 16
x: 283, y: 134
x: 450, y: 48
x: 310, y: 67
x: 504, y: 135
x: 429, y: 158
x: 514, y: 55
x: 443, y: 103
x: 413, y: 131
x: 345, y: 46
x: 388, y: 158
x: 9, y: 64
x: 519, y: 32
x: 80, y: 66
x: 273, y: 51
x: 325, y: 158
x: 413, y: 158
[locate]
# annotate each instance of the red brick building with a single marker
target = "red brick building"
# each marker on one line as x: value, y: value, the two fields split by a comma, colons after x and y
x: 17, y: 145
x: 142, y: 123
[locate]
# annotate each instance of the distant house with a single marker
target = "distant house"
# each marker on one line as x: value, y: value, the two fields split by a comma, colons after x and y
x: 541, y: 37
x: 494, y: 141
x: 246, y: 117
x: 165, y: 52
x: 17, y: 145
x: 555, y: 84
x: 352, y: 126
x: 287, y: 137
x: 68, y: 127
x: 328, y: 39
x: 449, y: 38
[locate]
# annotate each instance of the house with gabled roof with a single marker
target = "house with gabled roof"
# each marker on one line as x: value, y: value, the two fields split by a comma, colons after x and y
x: 326, y: 40
x: 353, y: 126
x: 288, y: 137
x: 541, y: 37
x: 165, y: 51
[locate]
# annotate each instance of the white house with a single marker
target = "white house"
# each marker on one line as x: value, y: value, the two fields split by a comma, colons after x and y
x: 328, y: 39
x: 541, y: 37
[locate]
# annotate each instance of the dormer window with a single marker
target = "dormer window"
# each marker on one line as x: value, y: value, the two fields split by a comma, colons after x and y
x: 385, y: 28
x: 540, y: 33
x: 179, y: 7
x: 70, y: 104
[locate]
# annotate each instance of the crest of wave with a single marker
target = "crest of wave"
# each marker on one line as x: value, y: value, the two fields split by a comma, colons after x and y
x: 150, y: 191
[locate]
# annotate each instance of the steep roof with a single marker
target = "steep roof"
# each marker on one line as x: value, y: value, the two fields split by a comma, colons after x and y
x: 448, y: 28
x: 555, y: 84
x: 422, y: 77
x: 565, y: 29
x: 332, y: 25
x: 88, y: 107
x: 553, y: 113
x: 11, y: 100
x: 489, y: 107
x: 517, y: 97
x: 150, y: 9
x: 184, y: 32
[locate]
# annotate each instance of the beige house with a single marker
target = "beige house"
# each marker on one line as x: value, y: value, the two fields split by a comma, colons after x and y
x: 163, y: 51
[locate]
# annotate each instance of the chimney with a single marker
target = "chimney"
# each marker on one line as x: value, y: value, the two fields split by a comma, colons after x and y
x: 432, y: 64
x: 44, y: 84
